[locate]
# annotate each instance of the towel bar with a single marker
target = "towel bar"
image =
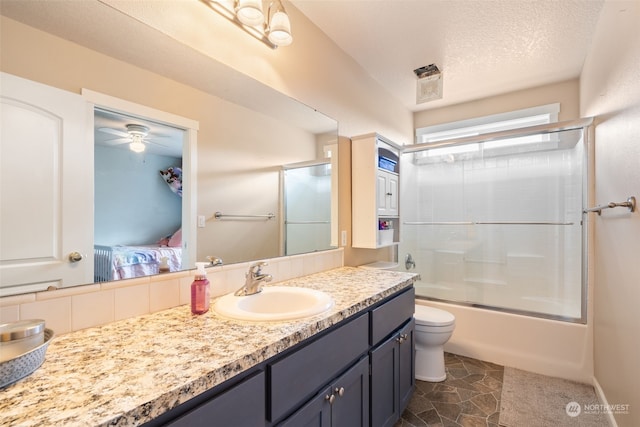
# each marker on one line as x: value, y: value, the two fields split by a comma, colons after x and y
x: 630, y: 204
x: 220, y: 215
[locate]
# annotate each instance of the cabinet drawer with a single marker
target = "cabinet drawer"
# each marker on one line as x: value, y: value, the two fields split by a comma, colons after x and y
x: 296, y: 377
x: 386, y: 318
x: 242, y: 405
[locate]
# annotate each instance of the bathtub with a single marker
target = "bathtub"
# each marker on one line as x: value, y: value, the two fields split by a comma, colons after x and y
x: 548, y: 347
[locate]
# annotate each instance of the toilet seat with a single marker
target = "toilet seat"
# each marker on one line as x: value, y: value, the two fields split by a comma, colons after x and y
x: 430, y: 316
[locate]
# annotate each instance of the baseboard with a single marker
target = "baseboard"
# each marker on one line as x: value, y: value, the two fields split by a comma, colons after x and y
x: 603, y: 400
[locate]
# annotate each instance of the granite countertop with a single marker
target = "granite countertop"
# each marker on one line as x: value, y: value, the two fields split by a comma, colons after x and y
x: 131, y: 371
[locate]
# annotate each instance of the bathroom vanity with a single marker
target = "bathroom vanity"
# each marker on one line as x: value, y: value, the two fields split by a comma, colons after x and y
x: 352, y: 365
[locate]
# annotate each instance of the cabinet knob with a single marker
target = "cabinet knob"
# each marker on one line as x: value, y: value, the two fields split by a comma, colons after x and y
x: 402, y: 338
x: 340, y: 391
x: 389, y: 194
x: 330, y: 399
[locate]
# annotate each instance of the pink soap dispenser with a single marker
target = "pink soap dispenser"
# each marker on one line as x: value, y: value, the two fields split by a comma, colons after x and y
x: 200, y: 294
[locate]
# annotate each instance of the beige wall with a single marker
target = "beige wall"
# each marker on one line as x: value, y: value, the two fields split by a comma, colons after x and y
x: 566, y: 93
x: 610, y: 90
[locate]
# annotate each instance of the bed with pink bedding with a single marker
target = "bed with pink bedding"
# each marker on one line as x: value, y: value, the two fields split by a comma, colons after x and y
x: 126, y: 262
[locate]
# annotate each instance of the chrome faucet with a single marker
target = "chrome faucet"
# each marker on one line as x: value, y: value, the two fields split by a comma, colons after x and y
x: 254, y: 280
x: 213, y: 261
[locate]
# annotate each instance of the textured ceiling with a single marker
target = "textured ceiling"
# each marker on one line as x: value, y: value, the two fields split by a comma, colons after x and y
x: 483, y: 48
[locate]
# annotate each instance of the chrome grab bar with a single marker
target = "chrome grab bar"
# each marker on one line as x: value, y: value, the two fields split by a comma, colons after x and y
x: 630, y: 204
x: 220, y: 215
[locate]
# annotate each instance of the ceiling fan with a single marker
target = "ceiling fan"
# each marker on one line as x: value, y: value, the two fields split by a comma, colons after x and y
x: 136, y: 136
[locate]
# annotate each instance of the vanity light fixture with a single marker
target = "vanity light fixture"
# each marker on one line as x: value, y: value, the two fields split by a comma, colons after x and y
x: 272, y: 28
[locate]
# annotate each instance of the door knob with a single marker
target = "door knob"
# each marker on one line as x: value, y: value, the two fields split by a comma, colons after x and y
x: 75, y: 256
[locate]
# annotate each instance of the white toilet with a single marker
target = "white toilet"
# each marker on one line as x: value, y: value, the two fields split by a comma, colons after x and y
x: 433, y: 328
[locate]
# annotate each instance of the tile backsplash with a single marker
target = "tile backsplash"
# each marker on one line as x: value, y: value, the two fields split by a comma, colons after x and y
x: 72, y: 309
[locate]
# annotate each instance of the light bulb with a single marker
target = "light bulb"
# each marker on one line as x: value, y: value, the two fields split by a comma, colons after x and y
x: 137, y: 147
x: 280, y: 29
x: 249, y: 12
x: 136, y: 144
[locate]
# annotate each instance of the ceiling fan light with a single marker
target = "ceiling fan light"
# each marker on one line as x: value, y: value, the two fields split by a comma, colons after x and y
x: 137, y: 146
x: 280, y: 29
x: 249, y: 12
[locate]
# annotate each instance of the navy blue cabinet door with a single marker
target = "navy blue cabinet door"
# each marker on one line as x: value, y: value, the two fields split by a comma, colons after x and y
x: 392, y: 376
x: 345, y: 403
x: 316, y: 413
x: 351, y: 405
x: 385, y: 408
x: 406, y: 371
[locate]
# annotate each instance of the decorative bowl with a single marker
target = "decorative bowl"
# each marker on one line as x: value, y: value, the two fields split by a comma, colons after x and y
x: 19, y: 367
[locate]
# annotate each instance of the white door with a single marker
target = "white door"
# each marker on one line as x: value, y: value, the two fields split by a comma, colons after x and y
x: 46, y: 187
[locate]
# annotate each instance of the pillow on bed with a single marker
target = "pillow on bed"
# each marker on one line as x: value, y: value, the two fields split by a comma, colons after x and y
x: 173, y: 177
x: 175, y: 241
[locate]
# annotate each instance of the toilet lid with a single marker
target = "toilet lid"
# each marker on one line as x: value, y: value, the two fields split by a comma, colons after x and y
x: 430, y: 316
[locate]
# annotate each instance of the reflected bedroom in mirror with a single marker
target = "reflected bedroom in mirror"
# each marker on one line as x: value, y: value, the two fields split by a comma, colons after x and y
x: 138, y: 197
x: 251, y: 205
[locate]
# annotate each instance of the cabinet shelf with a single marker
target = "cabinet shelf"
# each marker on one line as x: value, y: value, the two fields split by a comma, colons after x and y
x: 375, y: 191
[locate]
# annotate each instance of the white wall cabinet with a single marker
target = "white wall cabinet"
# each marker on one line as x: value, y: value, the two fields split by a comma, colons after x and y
x: 375, y: 170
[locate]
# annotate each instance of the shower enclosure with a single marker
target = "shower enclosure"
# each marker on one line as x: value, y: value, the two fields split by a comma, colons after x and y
x: 307, y: 207
x: 496, y: 221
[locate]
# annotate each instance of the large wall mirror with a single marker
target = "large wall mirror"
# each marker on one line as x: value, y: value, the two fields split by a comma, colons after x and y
x: 265, y: 172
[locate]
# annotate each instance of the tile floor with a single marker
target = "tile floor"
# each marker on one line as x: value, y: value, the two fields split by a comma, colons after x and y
x: 469, y: 397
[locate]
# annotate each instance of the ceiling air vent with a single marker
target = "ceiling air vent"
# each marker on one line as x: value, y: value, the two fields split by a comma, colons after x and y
x: 429, y: 83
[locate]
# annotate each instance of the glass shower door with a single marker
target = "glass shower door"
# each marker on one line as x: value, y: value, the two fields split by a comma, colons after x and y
x: 307, y: 207
x: 498, y: 224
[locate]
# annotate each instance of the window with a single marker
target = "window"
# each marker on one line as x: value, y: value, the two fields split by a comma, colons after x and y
x: 487, y: 124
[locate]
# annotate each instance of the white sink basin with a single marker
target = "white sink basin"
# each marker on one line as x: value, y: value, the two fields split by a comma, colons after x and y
x: 274, y: 303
